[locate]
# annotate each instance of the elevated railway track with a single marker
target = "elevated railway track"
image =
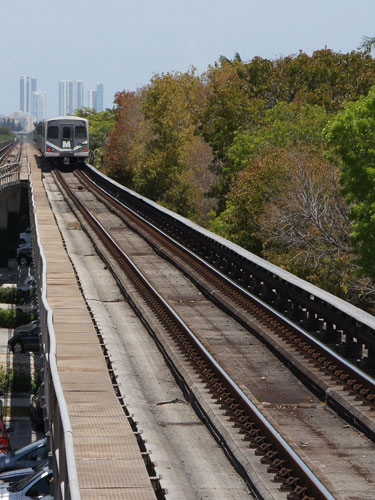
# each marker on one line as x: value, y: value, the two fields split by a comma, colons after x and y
x: 213, y: 326
x: 10, y: 163
x: 271, y: 322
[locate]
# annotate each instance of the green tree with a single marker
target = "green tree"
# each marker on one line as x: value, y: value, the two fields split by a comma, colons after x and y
x: 5, y: 133
x: 254, y: 185
x: 352, y: 136
x: 227, y: 109
x: 168, y: 135
x: 101, y: 123
x: 325, y: 78
x: 120, y: 158
x: 284, y: 125
x: 367, y: 44
x: 240, y: 93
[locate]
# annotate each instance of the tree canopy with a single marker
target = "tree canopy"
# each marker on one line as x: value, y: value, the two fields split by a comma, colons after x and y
x: 241, y: 149
x: 352, y: 135
x: 101, y: 123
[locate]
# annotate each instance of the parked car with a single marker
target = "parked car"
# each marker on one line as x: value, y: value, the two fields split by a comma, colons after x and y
x: 28, y: 308
x: 36, y: 407
x: 25, y: 338
x: 28, y: 456
x: 25, y: 237
x: 11, y: 476
x: 24, y: 254
x: 28, y: 285
x: 4, y: 437
x: 36, y: 485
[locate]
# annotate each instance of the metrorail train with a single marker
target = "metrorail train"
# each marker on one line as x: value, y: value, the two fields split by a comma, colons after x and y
x: 63, y: 138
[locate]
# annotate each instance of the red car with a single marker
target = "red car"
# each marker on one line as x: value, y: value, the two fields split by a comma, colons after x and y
x: 4, y: 437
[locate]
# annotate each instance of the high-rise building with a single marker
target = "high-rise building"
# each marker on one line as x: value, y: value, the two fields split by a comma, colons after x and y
x: 70, y: 96
x: 91, y: 99
x: 27, y: 86
x: 65, y: 97
x: 95, y: 98
x: 78, y: 94
x: 99, y: 96
x: 38, y: 105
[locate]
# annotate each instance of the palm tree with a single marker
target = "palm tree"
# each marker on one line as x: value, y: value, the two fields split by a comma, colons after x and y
x: 224, y: 60
x: 368, y: 43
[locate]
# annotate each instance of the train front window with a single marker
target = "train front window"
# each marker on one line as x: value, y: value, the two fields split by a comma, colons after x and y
x: 66, y: 133
x: 53, y: 132
x: 80, y: 132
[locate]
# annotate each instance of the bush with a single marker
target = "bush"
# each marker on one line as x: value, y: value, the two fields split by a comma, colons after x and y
x: 13, y: 295
x: 16, y: 381
x: 11, y: 318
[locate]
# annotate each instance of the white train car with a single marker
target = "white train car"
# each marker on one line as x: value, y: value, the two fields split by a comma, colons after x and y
x: 63, y: 138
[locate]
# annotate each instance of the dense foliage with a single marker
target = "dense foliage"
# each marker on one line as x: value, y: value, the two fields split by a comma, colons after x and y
x: 10, y: 295
x: 241, y: 149
x: 5, y: 133
x: 11, y: 318
x: 154, y: 147
x: 11, y: 124
x: 101, y: 123
x: 352, y: 133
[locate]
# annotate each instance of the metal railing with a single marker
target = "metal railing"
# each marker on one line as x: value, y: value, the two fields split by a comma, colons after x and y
x: 9, y: 175
x: 323, y: 311
x: 66, y: 485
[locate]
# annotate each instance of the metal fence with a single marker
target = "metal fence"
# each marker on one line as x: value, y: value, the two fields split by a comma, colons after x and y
x: 58, y: 426
x: 9, y: 175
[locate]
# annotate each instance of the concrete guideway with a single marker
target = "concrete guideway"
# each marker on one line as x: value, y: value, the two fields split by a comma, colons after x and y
x: 287, y: 394
x: 281, y: 399
x: 191, y: 464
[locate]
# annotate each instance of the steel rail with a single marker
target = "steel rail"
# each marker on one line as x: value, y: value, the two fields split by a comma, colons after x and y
x: 9, y: 172
x: 322, y: 314
x: 305, y: 475
x: 365, y: 385
x: 5, y: 150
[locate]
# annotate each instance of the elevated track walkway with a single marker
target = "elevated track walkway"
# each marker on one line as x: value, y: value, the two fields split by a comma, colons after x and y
x: 106, y: 453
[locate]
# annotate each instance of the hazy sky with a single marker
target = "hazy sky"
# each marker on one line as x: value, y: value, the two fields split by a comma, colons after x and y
x: 123, y: 43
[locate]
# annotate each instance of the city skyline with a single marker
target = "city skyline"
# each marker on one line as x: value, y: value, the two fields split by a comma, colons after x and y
x: 70, y: 97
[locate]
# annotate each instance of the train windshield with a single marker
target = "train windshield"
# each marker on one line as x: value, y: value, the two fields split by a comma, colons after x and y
x: 66, y: 133
x: 53, y: 132
x: 80, y: 132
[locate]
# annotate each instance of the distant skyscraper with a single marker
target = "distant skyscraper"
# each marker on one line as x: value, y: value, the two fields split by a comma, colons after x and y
x: 78, y: 94
x: 99, y: 96
x: 27, y: 86
x: 65, y: 97
x: 91, y: 99
x: 70, y: 96
x: 95, y: 98
x: 38, y: 105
